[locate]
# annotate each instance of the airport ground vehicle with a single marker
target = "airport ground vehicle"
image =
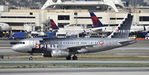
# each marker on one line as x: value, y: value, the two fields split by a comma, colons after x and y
x: 50, y: 34
x: 147, y: 36
x: 18, y: 35
x: 1, y: 34
x: 42, y: 34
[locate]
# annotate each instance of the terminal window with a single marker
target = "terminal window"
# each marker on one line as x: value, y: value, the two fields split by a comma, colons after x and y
x: 61, y: 25
x: 144, y: 18
x: 63, y: 17
x: 116, y: 18
x: 85, y: 17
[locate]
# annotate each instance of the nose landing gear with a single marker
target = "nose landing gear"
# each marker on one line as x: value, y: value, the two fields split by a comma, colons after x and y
x: 31, y: 56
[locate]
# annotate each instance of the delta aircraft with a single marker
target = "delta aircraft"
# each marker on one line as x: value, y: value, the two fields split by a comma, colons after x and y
x: 73, y: 29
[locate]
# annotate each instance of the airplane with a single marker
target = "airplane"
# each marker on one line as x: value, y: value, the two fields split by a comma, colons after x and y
x: 70, y: 47
x: 97, y: 25
x: 4, y: 27
x: 139, y: 31
x: 136, y: 28
x: 73, y: 29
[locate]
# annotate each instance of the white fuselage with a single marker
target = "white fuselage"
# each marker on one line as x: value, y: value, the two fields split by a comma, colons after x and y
x: 4, y: 27
x: 70, y: 30
x: 139, y: 28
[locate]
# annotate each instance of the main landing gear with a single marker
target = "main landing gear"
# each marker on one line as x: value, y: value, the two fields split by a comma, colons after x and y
x: 72, y: 58
x: 30, y: 57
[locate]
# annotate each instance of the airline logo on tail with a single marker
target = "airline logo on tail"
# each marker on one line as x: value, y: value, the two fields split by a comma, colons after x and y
x: 53, y: 25
x: 96, y: 22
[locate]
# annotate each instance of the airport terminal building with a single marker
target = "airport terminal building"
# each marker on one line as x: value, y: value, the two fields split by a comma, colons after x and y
x: 68, y: 12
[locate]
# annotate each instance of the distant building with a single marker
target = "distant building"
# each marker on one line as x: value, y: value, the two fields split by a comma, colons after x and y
x: 135, y: 3
x: 3, y: 8
x: 146, y: 1
x: 18, y: 18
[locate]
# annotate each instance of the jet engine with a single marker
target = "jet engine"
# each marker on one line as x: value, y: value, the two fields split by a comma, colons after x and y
x: 47, y: 54
x: 56, y: 53
x: 59, y: 53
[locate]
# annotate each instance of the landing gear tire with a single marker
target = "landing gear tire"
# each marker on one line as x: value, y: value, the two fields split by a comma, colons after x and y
x: 31, y: 58
x: 75, y: 57
x: 68, y: 58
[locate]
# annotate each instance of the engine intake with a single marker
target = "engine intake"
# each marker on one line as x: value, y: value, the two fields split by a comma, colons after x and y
x: 47, y: 54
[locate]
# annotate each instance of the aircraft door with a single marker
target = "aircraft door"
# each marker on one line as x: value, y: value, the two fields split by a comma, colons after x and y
x: 36, y: 44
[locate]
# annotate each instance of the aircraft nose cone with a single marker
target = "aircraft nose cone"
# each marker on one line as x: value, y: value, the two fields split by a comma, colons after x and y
x: 15, y: 48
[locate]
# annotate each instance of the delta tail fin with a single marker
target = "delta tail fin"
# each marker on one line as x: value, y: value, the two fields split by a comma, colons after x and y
x: 123, y: 29
x: 95, y: 20
x: 53, y: 25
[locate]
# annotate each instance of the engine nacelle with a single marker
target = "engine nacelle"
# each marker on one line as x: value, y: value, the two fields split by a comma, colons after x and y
x: 59, y: 53
x: 82, y: 51
x: 46, y: 55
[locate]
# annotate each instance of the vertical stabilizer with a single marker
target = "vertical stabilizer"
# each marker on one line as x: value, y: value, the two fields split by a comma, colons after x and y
x: 53, y: 25
x: 95, y: 20
x: 144, y: 28
x: 123, y: 29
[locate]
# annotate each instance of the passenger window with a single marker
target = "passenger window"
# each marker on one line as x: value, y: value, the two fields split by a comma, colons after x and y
x: 20, y: 42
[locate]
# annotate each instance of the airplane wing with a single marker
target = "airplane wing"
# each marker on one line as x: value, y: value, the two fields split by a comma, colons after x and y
x: 97, y: 29
x: 74, y: 49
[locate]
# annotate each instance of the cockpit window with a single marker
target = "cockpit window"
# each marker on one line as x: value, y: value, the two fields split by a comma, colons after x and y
x: 17, y: 43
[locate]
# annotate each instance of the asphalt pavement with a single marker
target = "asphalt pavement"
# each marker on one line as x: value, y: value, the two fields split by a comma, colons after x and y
x: 76, y: 71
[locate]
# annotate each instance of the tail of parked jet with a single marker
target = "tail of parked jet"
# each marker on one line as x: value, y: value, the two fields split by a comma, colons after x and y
x: 95, y: 20
x: 123, y: 29
x: 53, y: 25
x: 144, y: 28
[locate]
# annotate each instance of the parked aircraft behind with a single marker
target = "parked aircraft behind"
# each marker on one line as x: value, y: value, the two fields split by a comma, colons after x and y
x: 69, y: 47
x: 70, y: 30
x: 139, y: 28
x: 96, y: 27
x: 4, y: 27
